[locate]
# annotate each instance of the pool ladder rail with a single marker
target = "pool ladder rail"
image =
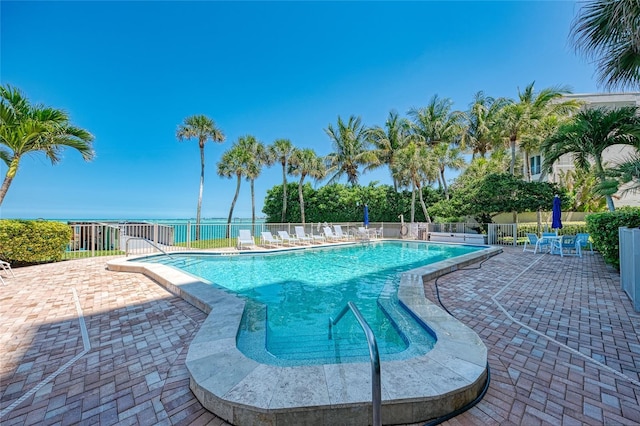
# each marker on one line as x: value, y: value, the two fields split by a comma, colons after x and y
x: 151, y: 243
x: 376, y: 388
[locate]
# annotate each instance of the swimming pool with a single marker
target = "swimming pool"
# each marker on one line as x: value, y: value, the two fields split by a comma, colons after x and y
x: 241, y: 390
x: 291, y: 295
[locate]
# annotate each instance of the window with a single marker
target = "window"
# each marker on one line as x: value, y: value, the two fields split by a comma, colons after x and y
x: 535, y: 165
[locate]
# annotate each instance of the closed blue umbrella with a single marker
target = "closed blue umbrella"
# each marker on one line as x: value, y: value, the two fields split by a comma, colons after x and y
x: 366, y: 215
x: 556, y: 217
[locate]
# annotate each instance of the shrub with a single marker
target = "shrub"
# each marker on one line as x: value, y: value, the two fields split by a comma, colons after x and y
x: 25, y: 242
x: 603, y: 228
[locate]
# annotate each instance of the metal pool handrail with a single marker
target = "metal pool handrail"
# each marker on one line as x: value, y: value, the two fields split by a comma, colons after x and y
x: 126, y: 245
x: 376, y: 388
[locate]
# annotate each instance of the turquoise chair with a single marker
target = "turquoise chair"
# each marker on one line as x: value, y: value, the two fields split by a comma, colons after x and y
x: 584, y: 239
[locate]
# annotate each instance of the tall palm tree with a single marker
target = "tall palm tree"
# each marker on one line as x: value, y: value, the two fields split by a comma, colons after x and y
x: 255, y: 155
x: 203, y: 129
x: 629, y: 172
x: 388, y: 141
x: 588, y: 135
x: 447, y: 156
x: 478, y: 135
x: 350, y: 149
x: 233, y: 163
x: 303, y: 163
x: 416, y: 165
x: 607, y: 31
x: 281, y: 151
x: 436, y: 122
x: 522, y: 116
x: 27, y: 129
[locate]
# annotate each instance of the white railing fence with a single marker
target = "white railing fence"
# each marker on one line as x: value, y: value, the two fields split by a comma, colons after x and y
x: 113, y: 238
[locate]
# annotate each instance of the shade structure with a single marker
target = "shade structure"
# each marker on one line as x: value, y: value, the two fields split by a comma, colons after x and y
x: 556, y: 217
x: 366, y: 215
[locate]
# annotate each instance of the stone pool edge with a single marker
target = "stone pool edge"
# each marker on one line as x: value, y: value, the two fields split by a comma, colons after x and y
x: 243, y: 391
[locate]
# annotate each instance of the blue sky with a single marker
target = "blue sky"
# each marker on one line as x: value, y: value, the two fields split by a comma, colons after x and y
x: 130, y: 72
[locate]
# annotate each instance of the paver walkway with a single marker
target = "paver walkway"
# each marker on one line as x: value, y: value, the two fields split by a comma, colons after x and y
x: 83, y: 345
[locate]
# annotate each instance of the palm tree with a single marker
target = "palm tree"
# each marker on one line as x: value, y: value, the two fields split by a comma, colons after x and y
x: 204, y: 129
x: 233, y: 163
x: 281, y: 151
x: 519, y: 118
x: 27, y: 129
x: 588, y: 135
x: 447, y: 156
x: 436, y: 122
x: 303, y: 163
x: 607, y: 32
x: 416, y: 165
x: 629, y: 172
x: 255, y: 155
x: 387, y: 142
x: 478, y: 135
x: 350, y: 149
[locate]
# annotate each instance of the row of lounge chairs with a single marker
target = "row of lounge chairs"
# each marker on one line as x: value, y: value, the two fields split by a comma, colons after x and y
x: 245, y: 238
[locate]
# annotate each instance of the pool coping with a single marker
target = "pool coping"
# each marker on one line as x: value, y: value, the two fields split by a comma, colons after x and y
x: 243, y: 391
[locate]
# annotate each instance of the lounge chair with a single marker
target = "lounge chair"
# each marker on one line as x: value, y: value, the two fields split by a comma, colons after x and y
x: 584, y: 240
x: 268, y: 239
x: 286, y: 238
x: 329, y: 235
x: 6, y: 267
x: 363, y: 233
x: 537, y: 243
x: 338, y: 231
x: 245, y: 239
x: 302, y: 236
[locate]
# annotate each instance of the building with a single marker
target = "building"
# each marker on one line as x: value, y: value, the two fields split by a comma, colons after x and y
x: 611, y: 155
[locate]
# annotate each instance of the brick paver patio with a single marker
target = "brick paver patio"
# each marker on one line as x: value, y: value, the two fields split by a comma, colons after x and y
x: 563, y: 344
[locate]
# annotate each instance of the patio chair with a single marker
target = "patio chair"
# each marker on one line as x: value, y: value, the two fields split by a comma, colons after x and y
x: 267, y: 238
x: 537, y: 243
x: 6, y: 267
x: 302, y: 236
x: 338, y: 232
x: 245, y: 239
x: 584, y: 239
x: 329, y: 235
x: 565, y: 245
x: 286, y: 238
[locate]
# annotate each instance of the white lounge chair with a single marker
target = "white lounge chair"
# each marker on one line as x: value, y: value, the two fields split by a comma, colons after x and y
x: 300, y: 234
x: 268, y: 239
x: 338, y: 231
x: 6, y: 267
x: 286, y: 238
x: 329, y: 235
x: 245, y: 239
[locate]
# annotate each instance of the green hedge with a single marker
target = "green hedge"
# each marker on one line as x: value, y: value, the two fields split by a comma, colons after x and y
x: 603, y: 228
x: 25, y: 242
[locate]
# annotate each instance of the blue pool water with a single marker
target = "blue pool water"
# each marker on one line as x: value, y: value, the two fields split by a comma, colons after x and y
x: 291, y: 295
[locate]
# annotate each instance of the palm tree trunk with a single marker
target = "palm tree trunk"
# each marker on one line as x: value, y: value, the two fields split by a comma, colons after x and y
x: 301, y: 198
x: 253, y: 207
x: 200, y: 192
x: 284, y: 192
x: 233, y: 204
x: 602, y: 178
x: 512, y: 167
x: 444, y: 184
x: 527, y: 166
x: 413, y: 202
x: 424, y: 206
x: 8, y: 178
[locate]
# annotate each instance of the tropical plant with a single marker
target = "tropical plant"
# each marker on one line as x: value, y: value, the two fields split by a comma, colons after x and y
x: 255, y: 155
x: 303, y: 163
x: 447, y: 156
x: 350, y: 150
x: 203, y: 129
x: 478, y: 123
x: 580, y: 185
x: 233, y: 163
x: 607, y: 32
x: 629, y: 173
x: 27, y: 129
x: 587, y: 136
x: 436, y: 122
x: 416, y: 165
x: 388, y: 141
x: 281, y: 151
x: 520, y: 117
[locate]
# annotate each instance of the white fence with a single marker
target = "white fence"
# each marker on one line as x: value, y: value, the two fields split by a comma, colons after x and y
x: 630, y: 264
x: 111, y: 238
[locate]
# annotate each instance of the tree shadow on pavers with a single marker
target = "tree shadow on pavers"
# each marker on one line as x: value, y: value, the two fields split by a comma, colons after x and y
x: 132, y: 350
